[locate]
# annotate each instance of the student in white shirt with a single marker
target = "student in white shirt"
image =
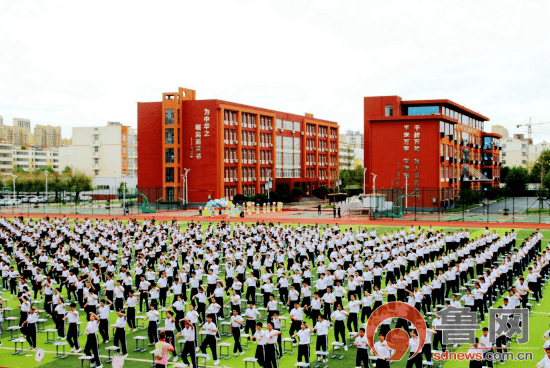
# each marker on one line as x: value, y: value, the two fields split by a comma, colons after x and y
x: 304, y: 335
x: 189, y: 334
x: 545, y: 362
x: 30, y: 330
x: 321, y: 328
x: 362, y: 346
x: 103, y: 312
x: 152, y: 329
x: 237, y: 322
x: 120, y: 333
x: 169, y: 329
x: 209, y: 329
x: 131, y: 303
x: 261, y: 340
x: 92, y: 342
x: 383, y: 352
x: 72, y: 335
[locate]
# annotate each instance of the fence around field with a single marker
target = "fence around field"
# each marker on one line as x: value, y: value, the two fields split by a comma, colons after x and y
x: 94, y: 202
x: 428, y: 204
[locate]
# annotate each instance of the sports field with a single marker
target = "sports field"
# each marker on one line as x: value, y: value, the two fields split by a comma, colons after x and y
x: 539, y: 323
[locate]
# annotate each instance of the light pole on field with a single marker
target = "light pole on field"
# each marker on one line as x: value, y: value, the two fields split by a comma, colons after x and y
x: 14, y: 177
x: 364, y: 182
x: 46, y: 173
x: 184, y: 181
x: 269, y: 183
x: 374, y: 190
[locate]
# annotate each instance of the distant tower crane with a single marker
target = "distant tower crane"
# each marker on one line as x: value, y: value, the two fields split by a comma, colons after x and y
x: 529, y: 131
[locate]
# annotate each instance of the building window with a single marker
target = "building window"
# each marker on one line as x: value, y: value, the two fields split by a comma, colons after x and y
x: 123, y: 149
x: 96, y: 149
x: 169, y: 116
x: 422, y: 110
x: 169, y: 156
x: 169, y: 174
x: 169, y: 136
x: 96, y: 137
x: 96, y: 161
x: 96, y: 172
x: 124, y: 137
x: 389, y: 110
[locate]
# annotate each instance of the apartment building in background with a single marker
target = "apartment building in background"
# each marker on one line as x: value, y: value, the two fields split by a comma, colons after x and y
x: 435, y: 147
x: 230, y: 149
x: 22, y: 123
x: 15, y: 135
x: 351, y: 153
x: 28, y: 158
x: 102, y: 151
x: 47, y: 136
x: 20, y: 133
x: 353, y: 138
x: 517, y: 150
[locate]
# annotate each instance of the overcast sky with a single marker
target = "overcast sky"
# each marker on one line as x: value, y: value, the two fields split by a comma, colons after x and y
x: 74, y: 63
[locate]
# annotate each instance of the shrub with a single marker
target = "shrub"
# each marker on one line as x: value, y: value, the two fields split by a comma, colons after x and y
x: 240, y: 198
x: 297, y: 192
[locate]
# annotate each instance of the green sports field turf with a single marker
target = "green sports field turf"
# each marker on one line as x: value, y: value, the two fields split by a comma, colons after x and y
x: 539, y: 323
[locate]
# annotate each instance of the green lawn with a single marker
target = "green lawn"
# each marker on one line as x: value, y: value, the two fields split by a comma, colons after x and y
x: 538, y: 325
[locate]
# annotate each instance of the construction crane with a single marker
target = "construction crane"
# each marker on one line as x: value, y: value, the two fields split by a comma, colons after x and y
x: 529, y: 141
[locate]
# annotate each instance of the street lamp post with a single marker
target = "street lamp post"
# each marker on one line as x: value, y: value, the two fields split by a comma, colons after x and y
x: 269, y: 183
x: 184, y: 177
x: 14, y: 177
x: 364, y: 182
x: 46, y: 173
x: 374, y: 190
x: 124, y: 196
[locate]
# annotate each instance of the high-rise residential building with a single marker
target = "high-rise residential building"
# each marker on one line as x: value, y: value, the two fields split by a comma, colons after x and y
x: 500, y: 130
x: 22, y: 123
x: 28, y: 158
x: 353, y: 138
x: 15, y: 135
x: 434, y: 146
x: 351, y: 153
x: 231, y: 149
x: 47, y: 136
x: 517, y: 150
x: 1, y: 121
x: 104, y: 151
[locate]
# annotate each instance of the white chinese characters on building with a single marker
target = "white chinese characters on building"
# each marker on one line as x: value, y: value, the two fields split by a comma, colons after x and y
x: 202, y: 131
x: 407, y: 144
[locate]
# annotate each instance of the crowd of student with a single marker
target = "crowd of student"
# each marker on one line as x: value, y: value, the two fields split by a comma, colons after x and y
x: 328, y: 279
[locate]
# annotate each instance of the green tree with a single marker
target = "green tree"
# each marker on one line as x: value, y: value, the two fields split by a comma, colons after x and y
x: 67, y: 170
x: 542, y: 165
x: 504, y: 173
x: 80, y: 183
x: 18, y: 170
x: 122, y: 190
x: 546, y: 180
x: 55, y: 184
x: 517, y: 179
x: 297, y: 192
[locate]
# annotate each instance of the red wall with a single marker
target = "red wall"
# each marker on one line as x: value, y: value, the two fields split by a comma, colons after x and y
x: 204, y: 175
x: 388, y: 155
x: 150, y: 144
